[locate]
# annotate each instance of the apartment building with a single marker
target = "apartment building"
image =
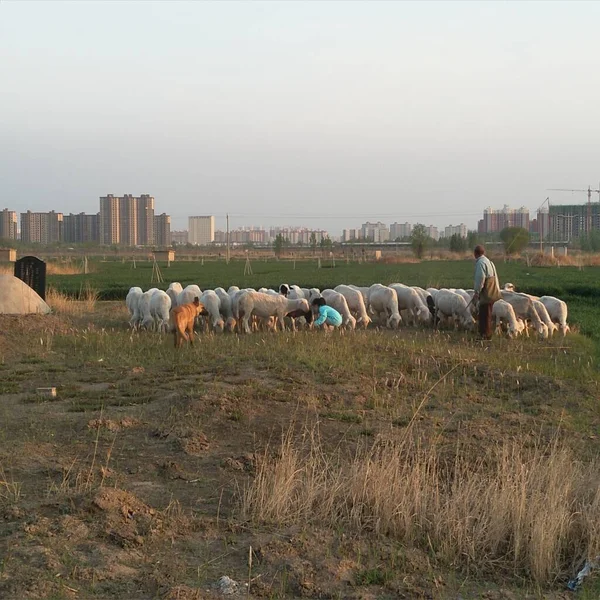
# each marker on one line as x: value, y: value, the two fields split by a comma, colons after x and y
x: 127, y: 220
x: 201, y: 230
x: 162, y: 230
x: 8, y: 224
x: 81, y: 228
x: 41, y: 227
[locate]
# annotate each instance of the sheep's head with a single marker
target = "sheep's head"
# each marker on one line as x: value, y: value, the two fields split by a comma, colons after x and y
x: 509, y: 287
x: 394, y: 321
x: 424, y: 315
x: 364, y: 321
x: 230, y: 325
x: 542, y: 330
x: 219, y: 326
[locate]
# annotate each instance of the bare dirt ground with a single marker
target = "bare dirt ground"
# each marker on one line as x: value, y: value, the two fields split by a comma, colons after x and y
x: 130, y: 483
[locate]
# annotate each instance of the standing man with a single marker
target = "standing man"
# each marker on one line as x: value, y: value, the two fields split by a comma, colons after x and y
x: 487, y: 290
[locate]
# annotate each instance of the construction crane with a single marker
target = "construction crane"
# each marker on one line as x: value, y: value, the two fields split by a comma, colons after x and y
x: 589, y: 204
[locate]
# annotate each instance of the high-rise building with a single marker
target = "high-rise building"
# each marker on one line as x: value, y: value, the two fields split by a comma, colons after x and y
x: 127, y: 220
x: 400, y: 230
x: 179, y: 237
x: 432, y: 232
x: 451, y: 230
x: 8, y: 224
x: 495, y: 220
x: 41, y: 227
x: 81, y: 228
x: 110, y: 230
x: 162, y: 230
x: 375, y: 232
x: 145, y: 220
x: 201, y: 230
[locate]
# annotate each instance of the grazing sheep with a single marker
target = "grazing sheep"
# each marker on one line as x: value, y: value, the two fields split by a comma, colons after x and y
x: 356, y: 304
x: 505, y: 317
x: 266, y: 306
x: 173, y: 292
x: 383, y: 302
x: 187, y: 295
x: 410, y: 301
x: 226, y: 309
x: 160, y: 306
x: 212, y: 307
x: 132, y: 302
x: 524, y: 309
x: 558, y: 311
x: 542, y: 312
x: 338, y: 301
x: 146, y: 319
x: 453, y: 307
x: 233, y: 290
x: 295, y: 293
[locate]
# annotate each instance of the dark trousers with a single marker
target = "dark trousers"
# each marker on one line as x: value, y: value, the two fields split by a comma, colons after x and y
x: 485, y: 320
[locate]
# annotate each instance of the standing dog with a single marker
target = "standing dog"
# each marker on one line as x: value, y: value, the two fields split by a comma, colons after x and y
x: 182, y: 321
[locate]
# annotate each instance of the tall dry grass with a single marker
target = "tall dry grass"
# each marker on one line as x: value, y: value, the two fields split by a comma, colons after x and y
x: 525, y: 512
x: 83, y: 305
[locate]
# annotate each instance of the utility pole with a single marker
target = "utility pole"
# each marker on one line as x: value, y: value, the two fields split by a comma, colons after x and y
x: 227, y: 251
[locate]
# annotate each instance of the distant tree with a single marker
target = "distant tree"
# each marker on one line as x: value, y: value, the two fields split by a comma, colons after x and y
x: 419, y: 240
x: 515, y: 239
x: 472, y: 240
x: 313, y: 241
x: 590, y: 242
x: 278, y: 244
x: 457, y: 243
x: 326, y: 243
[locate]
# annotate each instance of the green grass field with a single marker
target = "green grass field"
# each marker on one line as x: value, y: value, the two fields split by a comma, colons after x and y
x: 580, y: 288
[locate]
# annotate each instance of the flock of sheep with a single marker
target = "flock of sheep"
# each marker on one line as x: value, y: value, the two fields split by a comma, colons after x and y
x: 384, y: 305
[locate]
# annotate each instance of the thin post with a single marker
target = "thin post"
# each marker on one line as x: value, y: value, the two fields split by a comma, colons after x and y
x: 227, y: 251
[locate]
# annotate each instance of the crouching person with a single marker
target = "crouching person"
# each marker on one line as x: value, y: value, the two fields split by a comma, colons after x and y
x: 328, y: 317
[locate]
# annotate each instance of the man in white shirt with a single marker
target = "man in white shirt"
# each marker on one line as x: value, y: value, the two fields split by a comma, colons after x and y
x: 487, y: 290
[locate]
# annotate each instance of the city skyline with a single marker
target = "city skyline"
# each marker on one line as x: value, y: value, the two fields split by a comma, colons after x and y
x: 299, y: 113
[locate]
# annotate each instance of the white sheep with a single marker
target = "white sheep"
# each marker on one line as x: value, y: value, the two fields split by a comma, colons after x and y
x: 160, y: 306
x: 383, y: 302
x: 410, y: 301
x: 356, y: 304
x: 558, y: 311
x: 212, y: 305
x: 542, y: 312
x: 266, y: 306
x: 338, y: 301
x: 146, y: 319
x: 524, y: 309
x: 188, y: 294
x: 173, y: 292
x: 132, y: 302
x: 453, y: 307
x: 505, y: 316
x: 226, y: 309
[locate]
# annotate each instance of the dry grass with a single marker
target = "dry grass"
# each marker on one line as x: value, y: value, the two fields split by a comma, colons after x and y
x: 64, y: 268
x: 66, y: 305
x: 10, y: 490
x: 527, y: 512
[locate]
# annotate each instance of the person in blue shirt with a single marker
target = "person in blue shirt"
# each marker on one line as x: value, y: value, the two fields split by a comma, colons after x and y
x: 327, y: 315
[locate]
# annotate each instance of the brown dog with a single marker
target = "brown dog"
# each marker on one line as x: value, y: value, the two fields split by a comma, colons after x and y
x: 182, y: 321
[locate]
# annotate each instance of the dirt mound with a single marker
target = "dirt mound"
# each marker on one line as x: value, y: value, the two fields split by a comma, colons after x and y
x: 17, y: 298
x: 127, y: 520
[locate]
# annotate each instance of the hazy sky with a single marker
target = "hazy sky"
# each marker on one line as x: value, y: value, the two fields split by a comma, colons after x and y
x: 318, y: 113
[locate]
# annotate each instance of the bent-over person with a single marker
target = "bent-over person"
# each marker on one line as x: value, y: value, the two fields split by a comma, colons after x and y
x: 487, y: 290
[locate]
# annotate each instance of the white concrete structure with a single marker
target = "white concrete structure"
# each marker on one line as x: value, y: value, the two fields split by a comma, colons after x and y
x: 17, y: 298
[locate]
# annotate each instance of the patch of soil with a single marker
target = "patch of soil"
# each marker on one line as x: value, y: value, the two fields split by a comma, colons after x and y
x: 124, y: 423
